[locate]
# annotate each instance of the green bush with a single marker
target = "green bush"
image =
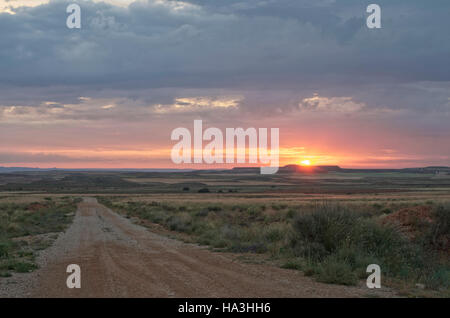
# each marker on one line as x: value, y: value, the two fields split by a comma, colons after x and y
x: 274, y: 233
x: 21, y: 267
x: 335, y: 271
x: 340, y: 241
x: 181, y: 222
x: 322, y: 231
x: 5, y: 248
x: 293, y: 264
x: 439, y: 235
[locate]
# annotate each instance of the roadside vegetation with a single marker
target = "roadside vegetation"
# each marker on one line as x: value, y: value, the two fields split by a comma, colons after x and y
x: 26, y: 228
x: 335, y: 244
x: 332, y: 242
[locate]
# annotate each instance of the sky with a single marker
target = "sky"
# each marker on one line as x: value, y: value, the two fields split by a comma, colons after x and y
x: 108, y: 95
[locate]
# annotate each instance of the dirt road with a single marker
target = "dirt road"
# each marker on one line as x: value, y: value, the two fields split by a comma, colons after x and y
x: 121, y: 259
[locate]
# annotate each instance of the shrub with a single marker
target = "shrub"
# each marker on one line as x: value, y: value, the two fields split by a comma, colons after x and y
x: 324, y: 229
x: 278, y: 207
x: 214, y: 208
x: 293, y: 264
x: 5, y: 248
x: 274, y: 233
x: 202, y: 213
x: 339, y: 241
x: 377, y: 206
x: 439, y: 236
x: 291, y: 213
x: 386, y: 211
x: 181, y: 222
x: 254, y: 211
x: 335, y: 271
x: 22, y: 267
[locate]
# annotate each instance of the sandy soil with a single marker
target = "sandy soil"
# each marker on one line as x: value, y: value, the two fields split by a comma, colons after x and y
x: 122, y: 259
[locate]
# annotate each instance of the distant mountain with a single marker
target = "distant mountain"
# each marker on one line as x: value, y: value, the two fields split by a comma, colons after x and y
x: 326, y: 169
x: 318, y: 169
x: 21, y: 169
x: 27, y: 169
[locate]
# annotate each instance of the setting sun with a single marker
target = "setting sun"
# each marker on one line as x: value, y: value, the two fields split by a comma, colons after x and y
x: 305, y: 163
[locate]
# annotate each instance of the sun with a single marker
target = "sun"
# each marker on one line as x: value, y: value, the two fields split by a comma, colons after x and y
x: 305, y: 163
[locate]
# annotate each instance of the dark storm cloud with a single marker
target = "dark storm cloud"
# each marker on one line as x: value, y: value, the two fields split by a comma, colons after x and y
x: 247, y: 41
x: 292, y: 48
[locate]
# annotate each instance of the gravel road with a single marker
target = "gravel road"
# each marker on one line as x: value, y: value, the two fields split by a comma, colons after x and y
x: 121, y: 259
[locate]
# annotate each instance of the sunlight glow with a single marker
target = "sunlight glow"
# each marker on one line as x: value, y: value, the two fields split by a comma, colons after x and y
x: 305, y: 163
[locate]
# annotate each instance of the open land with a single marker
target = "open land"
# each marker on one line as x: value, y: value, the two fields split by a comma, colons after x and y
x: 224, y: 233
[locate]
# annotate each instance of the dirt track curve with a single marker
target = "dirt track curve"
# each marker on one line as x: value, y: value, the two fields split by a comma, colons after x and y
x: 121, y: 259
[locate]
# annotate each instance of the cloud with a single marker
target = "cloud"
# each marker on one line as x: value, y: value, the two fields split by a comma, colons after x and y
x: 198, y: 104
x: 87, y: 109
x: 9, y: 6
x: 96, y: 109
x: 82, y: 155
x: 333, y: 104
x: 278, y: 51
x: 172, y: 43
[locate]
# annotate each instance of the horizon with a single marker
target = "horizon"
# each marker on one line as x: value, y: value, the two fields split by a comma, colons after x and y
x: 226, y: 167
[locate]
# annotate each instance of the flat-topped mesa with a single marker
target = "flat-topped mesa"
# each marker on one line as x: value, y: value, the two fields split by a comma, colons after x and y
x: 292, y: 169
x: 310, y: 169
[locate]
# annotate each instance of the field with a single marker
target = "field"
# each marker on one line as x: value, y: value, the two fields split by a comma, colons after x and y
x: 26, y: 228
x: 327, y: 226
